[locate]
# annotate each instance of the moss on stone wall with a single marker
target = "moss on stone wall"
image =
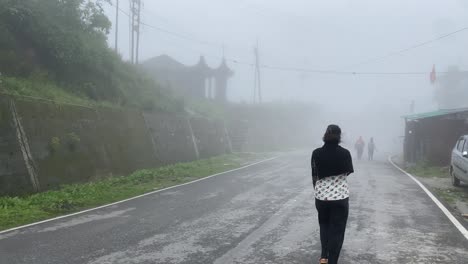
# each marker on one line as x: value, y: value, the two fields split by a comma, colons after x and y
x: 71, y: 144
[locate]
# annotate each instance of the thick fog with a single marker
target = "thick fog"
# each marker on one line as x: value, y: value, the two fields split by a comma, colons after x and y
x: 318, y: 35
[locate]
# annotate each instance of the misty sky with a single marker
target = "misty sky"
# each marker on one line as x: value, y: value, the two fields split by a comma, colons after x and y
x: 323, y: 35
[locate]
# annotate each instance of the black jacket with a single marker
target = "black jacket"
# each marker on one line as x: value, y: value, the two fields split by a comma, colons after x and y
x: 330, y: 160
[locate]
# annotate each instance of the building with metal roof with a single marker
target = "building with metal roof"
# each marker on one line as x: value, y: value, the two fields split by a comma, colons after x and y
x: 440, y: 112
x: 431, y: 136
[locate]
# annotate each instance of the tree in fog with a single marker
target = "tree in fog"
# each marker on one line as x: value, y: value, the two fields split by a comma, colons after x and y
x: 64, y: 42
x: 452, y: 89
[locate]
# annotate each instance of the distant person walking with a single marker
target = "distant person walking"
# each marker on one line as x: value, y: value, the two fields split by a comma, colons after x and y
x: 331, y: 164
x: 359, y: 146
x: 371, y: 148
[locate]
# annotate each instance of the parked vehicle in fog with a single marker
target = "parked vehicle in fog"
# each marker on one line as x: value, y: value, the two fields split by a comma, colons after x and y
x: 459, y: 162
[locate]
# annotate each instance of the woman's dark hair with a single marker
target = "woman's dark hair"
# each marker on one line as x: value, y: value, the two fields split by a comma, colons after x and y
x: 332, y: 135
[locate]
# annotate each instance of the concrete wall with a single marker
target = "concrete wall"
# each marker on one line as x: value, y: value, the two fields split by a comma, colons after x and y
x: 53, y: 144
x: 13, y: 173
x: 172, y: 138
x: 210, y: 137
x: 271, y: 128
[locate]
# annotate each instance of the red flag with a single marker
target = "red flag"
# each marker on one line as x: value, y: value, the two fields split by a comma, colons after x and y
x: 433, y: 75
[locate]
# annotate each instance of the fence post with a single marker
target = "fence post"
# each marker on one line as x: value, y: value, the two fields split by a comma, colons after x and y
x: 228, y: 138
x: 24, y: 146
x: 194, y: 139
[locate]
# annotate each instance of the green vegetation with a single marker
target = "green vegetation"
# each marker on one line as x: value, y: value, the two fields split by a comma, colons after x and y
x: 437, y: 179
x: 16, y: 211
x: 452, y: 195
x: 57, y: 49
x: 206, y: 108
x: 424, y: 170
x: 46, y: 90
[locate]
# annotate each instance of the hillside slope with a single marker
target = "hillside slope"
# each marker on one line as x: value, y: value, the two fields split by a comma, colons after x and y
x: 58, y: 49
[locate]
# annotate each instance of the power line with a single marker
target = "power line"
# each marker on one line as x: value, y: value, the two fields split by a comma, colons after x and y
x: 307, y: 70
x: 332, y: 72
x: 183, y: 36
x: 178, y: 35
x: 390, y: 54
x: 398, y: 52
x: 121, y: 10
x: 172, y: 32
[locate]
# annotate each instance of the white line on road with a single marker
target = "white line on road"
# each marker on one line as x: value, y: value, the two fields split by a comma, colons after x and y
x: 133, y: 198
x: 450, y: 216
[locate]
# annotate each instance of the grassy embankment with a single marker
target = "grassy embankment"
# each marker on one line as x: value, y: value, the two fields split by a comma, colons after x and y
x: 47, y: 91
x: 44, y: 90
x: 438, y: 180
x: 16, y: 211
x: 426, y: 171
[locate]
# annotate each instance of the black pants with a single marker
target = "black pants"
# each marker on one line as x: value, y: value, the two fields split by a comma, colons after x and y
x: 332, y: 216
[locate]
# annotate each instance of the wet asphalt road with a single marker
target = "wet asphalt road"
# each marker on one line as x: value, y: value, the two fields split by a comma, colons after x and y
x: 261, y: 214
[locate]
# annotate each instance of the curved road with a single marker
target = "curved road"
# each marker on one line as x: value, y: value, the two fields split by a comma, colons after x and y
x: 261, y: 214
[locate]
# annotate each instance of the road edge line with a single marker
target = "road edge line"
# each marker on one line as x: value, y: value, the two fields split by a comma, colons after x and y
x: 444, y: 209
x: 132, y: 198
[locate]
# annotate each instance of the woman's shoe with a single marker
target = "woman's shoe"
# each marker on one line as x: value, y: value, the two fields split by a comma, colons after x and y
x: 323, y: 261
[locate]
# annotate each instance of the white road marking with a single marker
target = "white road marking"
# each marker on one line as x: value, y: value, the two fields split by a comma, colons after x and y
x: 133, y: 198
x: 449, y: 215
x: 86, y: 219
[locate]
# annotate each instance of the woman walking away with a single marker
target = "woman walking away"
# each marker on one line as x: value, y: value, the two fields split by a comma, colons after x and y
x: 331, y: 164
x: 359, y: 146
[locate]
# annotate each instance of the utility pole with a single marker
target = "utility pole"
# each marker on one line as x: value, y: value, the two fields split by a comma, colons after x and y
x: 137, y: 29
x: 116, y: 25
x: 135, y: 21
x: 132, y: 32
x: 257, y: 93
x: 254, y: 95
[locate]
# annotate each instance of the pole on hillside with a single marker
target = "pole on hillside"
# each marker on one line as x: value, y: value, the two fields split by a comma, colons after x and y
x: 135, y: 17
x: 132, y: 31
x: 137, y: 29
x: 116, y: 25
